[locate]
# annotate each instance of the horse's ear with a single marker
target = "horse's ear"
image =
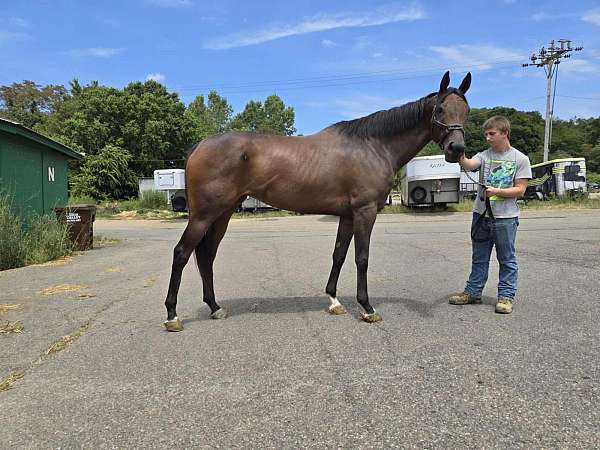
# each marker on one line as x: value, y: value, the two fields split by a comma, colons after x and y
x: 445, y: 82
x: 466, y: 83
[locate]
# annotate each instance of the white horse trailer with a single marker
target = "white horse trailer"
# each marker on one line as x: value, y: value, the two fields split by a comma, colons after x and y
x: 429, y: 180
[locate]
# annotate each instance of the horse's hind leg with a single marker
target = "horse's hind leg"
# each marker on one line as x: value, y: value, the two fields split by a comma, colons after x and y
x: 193, y: 234
x: 206, y: 251
x: 364, y: 219
x: 342, y: 242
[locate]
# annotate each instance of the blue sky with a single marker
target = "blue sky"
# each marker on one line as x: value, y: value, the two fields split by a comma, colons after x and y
x: 330, y: 60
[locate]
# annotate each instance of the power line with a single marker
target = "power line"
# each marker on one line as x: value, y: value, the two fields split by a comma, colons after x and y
x: 338, y: 80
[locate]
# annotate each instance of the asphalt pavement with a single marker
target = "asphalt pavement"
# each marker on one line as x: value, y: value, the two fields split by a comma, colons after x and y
x: 281, y: 373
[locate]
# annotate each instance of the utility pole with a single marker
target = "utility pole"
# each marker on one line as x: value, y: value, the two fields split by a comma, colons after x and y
x: 549, y: 58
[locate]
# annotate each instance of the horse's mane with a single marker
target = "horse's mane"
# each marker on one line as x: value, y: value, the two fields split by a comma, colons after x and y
x: 384, y: 123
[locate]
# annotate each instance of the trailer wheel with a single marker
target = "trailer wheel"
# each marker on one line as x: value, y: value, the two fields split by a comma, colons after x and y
x: 179, y: 203
x: 418, y: 194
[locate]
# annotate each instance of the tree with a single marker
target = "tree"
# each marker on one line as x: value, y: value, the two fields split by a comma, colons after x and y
x: 272, y: 117
x: 143, y: 118
x: 105, y: 175
x: 211, y: 118
x: 29, y: 103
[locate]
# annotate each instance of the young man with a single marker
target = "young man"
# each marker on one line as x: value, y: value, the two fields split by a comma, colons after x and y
x: 504, y: 170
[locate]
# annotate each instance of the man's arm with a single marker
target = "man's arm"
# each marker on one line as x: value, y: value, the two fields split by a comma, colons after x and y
x: 512, y: 192
x: 469, y: 164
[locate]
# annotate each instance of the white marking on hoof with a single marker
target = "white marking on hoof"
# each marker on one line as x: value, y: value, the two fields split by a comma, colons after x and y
x: 220, y: 313
x: 172, y: 320
x: 336, y: 308
x: 371, y: 318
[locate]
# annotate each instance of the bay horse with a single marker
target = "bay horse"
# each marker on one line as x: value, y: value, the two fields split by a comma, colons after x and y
x: 346, y: 170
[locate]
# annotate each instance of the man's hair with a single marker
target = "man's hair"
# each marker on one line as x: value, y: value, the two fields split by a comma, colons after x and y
x: 501, y: 123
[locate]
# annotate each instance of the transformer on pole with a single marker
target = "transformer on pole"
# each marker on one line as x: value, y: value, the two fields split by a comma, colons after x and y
x: 549, y: 58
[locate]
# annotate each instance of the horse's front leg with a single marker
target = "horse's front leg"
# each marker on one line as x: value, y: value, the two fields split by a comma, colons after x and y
x: 342, y: 242
x: 364, y: 219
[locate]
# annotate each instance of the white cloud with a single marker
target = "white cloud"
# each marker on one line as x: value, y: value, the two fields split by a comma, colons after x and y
x: 172, y: 3
x: 358, y: 105
x: 481, y: 57
x: 592, y: 16
x: 578, y: 66
x: 96, y: 52
x: 385, y: 14
x: 158, y: 77
x: 10, y: 36
x: 18, y: 22
x: 328, y: 43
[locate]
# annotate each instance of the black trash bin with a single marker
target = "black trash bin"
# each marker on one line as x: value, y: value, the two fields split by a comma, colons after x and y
x: 80, y: 219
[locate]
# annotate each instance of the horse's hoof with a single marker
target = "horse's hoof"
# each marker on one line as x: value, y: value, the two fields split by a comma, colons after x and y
x: 337, y: 310
x: 173, y: 325
x: 371, y: 318
x: 220, y: 313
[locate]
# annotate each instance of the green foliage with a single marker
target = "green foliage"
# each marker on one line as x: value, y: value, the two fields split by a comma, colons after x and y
x: 153, y: 200
x: 42, y: 239
x: 46, y: 239
x: 105, y: 176
x: 272, y: 117
x: 12, y: 252
x: 593, y: 177
x: 211, y: 118
x: 143, y: 118
x: 527, y: 129
x: 29, y: 103
x: 430, y: 149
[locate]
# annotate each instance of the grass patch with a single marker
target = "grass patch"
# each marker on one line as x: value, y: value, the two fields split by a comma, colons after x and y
x: 34, y: 241
x: 4, y: 308
x: 562, y: 203
x: 67, y: 340
x: 62, y: 288
x: 11, y: 327
x: 7, y: 382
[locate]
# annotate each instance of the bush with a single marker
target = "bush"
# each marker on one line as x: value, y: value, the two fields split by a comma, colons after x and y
x: 12, y: 250
x: 46, y: 239
x: 41, y: 239
x: 153, y: 200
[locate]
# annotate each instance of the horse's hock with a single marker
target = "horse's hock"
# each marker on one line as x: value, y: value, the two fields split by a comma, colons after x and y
x: 80, y: 219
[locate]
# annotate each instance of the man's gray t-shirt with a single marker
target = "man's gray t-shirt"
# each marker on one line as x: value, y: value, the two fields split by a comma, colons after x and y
x: 500, y: 169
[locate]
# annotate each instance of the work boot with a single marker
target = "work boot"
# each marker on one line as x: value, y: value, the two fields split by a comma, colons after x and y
x: 464, y: 299
x: 504, y: 305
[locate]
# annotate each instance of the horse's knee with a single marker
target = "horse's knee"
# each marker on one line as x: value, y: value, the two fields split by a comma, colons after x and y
x: 180, y: 256
x: 362, y: 263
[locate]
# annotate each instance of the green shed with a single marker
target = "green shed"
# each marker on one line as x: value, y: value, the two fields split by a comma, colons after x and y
x: 33, y: 169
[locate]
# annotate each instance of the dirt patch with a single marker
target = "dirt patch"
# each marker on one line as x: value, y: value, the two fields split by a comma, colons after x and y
x: 58, y: 262
x: 115, y: 269
x: 148, y: 282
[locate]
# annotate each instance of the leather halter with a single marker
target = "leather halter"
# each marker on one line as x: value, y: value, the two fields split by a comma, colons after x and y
x: 447, y: 128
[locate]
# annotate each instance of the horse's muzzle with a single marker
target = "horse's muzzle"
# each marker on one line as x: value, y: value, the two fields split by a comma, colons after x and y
x: 454, y: 151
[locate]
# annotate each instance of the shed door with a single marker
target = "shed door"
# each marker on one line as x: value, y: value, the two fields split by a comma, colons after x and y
x: 54, y: 178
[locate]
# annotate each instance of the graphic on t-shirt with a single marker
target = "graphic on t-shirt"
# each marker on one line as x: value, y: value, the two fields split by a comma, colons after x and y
x: 500, y: 175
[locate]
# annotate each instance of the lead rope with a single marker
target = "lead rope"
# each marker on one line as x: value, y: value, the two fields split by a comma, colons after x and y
x: 488, y: 206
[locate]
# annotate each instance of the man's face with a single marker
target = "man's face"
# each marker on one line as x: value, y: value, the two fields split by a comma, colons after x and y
x: 496, y: 138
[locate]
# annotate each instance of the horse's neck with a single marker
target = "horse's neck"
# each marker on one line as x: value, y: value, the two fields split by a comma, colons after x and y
x: 405, y: 146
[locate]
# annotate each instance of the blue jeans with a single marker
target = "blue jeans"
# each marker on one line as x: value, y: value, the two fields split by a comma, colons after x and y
x: 500, y: 233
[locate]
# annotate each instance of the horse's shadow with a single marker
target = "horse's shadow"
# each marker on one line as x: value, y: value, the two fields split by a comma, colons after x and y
x: 289, y: 305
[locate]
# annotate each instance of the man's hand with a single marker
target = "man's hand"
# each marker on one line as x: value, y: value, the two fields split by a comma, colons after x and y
x: 491, y: 191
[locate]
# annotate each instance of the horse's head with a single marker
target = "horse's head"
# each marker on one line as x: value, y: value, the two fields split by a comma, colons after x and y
x: 448, y: 117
